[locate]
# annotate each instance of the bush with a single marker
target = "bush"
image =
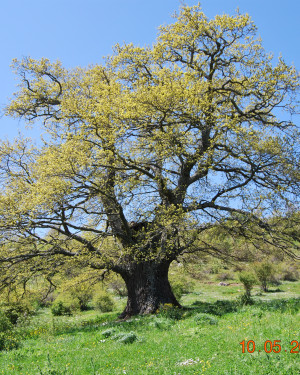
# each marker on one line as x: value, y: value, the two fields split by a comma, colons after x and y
x: 248, y: 280
x: 290, y: 274
x: 264, y: 272
x: 8, y: 338
x: 104, y: 302
x: 225, y: 276
x: 216, y: 266
x: 16, y: 310
x: 80, y: 295
x: 275, y: 280
x: 59, y: 308
x: 180, y: 287
x: 76, y: 294
x: 5, y: 323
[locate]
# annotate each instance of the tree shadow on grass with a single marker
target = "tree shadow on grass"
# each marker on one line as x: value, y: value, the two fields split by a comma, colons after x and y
x: 277, y: 290
x: 223, y: 307
x: 218, y: 308
x: 291, y: 305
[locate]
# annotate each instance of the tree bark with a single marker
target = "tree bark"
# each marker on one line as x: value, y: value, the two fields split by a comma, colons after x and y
x: 148, y: 287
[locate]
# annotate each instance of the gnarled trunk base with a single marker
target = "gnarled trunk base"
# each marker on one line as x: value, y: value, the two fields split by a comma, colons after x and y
x: 148, y: 287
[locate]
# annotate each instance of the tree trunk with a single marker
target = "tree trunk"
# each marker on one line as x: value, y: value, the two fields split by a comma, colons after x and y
x: 148, y: 287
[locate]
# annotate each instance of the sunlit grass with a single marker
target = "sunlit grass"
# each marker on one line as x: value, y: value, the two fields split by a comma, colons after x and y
x: 76, y: 345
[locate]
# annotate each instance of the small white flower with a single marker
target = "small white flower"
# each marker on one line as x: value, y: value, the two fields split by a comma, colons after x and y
x: 188, y: 362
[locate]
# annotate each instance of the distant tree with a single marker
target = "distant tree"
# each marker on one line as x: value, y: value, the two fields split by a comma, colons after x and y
x: 142, y: 157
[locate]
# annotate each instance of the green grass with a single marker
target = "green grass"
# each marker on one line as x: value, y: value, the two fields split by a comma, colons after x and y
x: 159, y: 345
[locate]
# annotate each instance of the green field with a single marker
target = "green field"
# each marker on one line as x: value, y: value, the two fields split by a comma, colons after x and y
x: 202, y: 338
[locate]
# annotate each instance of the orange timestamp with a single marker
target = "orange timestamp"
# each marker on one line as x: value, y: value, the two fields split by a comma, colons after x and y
x: 269, y: 346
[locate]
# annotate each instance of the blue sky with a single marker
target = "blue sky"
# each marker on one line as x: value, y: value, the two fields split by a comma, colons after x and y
x: 82, y: 32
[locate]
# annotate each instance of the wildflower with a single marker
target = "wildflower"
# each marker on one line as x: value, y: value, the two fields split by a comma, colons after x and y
x: 189, y: 362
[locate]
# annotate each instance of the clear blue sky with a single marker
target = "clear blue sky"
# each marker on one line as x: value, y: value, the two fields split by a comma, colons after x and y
x: 82, y: 32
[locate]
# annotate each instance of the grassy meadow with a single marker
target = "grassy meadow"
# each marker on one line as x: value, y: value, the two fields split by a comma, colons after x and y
x: 202, y: 338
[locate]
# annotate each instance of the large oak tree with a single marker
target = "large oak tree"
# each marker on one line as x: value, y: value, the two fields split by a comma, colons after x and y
x: 144, y: 156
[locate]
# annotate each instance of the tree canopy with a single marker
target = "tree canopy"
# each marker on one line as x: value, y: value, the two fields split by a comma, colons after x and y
x: 144, y: 155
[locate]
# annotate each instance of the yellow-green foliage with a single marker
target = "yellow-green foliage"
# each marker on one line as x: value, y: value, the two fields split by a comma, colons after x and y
x: 103, y: 301
x: 248, y: 279
x: 175, y: 136
x: 78, y: 291
x: 17, y: 303
x: 61, y: 307
x: 264, y: 272
x: 8, y: 338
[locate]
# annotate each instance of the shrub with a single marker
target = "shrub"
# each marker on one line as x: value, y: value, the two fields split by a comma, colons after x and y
x: 238, y: 267
x: 8, y: 338
x: 80, y: 295
x: 248, y: 280
x: 264, y: 272
x: 5, y: 323
x: 16, y: 310
x: 275, y: 280
x: 216, y: 266
x: 180, y: 287
x: 225, y: 276
x: 199, y: 275
x: 59, y: 308
x: 76, y: 294
x: 290, y: 274
x: 104, y: 302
